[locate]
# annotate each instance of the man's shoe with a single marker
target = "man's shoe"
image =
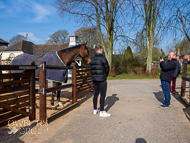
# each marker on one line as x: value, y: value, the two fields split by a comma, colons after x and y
x: 163, y: 106
x: 104, y: 114
x: 96, y: 111
x: 174, y: 93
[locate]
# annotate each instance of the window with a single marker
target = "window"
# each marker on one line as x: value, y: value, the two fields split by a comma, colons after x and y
x: 11, y: 56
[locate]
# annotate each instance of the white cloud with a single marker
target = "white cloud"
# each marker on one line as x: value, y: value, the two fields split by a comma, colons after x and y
x: 30, y: 36
x: 40, y: 11
x: 29, y: 11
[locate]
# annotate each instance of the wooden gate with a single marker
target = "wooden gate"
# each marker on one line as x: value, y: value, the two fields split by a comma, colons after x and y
x: 83, y: 80
x: 17, y: 97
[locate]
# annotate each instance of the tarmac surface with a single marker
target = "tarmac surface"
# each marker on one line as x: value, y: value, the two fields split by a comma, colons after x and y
x: 135, y: 118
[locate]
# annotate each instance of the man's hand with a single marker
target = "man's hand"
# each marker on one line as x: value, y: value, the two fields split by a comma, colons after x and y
x: 161, y: 60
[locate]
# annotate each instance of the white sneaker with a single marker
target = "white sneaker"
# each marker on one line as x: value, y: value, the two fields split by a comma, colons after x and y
x: 104, y: 114
x: 96, y: 111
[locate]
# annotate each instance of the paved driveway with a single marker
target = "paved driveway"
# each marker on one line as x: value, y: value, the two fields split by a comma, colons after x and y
x: 135, y: 118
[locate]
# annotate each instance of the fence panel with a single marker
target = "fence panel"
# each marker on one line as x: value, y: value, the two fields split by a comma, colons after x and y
x: 17, y: 97
x: 185, y: 79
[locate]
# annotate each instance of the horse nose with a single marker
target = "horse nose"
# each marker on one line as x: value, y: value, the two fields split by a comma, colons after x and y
x: 89, y: 60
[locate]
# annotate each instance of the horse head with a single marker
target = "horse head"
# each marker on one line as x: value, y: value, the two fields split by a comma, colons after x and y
x: 84, y: 53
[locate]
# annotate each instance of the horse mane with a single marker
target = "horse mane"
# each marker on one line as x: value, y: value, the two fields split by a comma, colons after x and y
x: 71, y: 48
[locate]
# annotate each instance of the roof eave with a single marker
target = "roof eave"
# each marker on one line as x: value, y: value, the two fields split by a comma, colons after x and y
x: 4, y: 44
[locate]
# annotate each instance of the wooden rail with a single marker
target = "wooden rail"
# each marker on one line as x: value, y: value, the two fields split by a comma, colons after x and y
x: 183, y: 83
x: 79, y: 75
x: 17, y: 99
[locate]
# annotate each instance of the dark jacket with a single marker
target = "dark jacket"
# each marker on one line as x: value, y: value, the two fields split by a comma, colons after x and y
x: 168, y: 70
x: 177, y: 70
x: 99, y: 67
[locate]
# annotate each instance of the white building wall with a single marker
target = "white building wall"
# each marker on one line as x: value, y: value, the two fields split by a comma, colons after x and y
x: 6, y: 54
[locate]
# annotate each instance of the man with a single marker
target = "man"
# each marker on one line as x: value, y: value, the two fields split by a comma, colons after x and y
x: 99, y: 70
x: 166, y: 75
x: 177, y: 71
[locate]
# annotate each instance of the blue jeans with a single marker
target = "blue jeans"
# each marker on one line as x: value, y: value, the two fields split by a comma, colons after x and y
x: 166, y: 91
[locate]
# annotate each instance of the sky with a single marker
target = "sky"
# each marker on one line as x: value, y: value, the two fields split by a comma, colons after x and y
x: 38, y: 18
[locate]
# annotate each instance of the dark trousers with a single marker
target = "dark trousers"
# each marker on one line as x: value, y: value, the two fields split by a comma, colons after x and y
x: 173, y: 82
x: 99, y: 87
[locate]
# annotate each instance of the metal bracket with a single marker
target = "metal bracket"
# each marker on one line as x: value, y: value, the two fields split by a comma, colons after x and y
x: 41, y: 91
x: 41, y: 66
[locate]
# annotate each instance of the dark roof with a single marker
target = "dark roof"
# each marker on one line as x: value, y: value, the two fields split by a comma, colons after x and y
x: 40, y: 49
x: 23, y: 45
x: 45, y: 48
x: 3, y: 43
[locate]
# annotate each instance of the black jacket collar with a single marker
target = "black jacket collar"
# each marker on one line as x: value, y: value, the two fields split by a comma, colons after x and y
x: 98, y: 54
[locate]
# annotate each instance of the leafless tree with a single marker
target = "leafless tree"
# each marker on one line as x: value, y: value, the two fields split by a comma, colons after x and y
x: 60, y: 36
x: 151, y: 13
x: 107, y: 15
x: 16, y: 39
x: 89, y: 35
x: 180, y: 20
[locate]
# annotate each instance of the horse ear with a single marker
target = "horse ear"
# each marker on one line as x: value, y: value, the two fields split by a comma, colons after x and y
x: 85, y: 43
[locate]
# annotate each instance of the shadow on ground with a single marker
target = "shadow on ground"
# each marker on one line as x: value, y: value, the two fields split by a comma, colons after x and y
x: 159, y: 96
x: 110, y: 101
x: 186, y: 110
x: 140, y: 140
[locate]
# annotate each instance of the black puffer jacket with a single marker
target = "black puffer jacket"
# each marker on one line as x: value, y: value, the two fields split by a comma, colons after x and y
x: 99, y: 67
x: 168, y: 70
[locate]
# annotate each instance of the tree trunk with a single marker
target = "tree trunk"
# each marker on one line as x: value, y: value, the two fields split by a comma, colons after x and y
x: 149, y: 57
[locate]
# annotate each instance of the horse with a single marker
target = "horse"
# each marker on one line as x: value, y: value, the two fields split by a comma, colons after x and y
x: 66, y: 56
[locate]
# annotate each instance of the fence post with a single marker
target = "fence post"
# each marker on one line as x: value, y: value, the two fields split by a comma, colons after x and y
x: 1, y: 80
x: 42, y: 87
x: 9, y: 71
x: 183, y: 82
x: 74, y: 87
x: 32, y: 93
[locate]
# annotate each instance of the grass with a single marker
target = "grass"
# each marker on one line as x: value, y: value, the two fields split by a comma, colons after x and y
x: 133, y: 77
x: 126, y: 76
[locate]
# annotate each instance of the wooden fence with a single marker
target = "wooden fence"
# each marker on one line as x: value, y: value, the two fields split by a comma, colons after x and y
x: 83, y: 80
x: 185, y: 97
x: 81, y: 83
x: 17, y: 97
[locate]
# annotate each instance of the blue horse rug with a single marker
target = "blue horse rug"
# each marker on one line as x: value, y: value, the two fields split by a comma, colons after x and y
x: 51, y: 58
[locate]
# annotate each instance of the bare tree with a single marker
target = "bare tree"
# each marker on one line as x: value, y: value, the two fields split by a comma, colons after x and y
x: 16, y: 39
x: 181, y: 18
x: 60, y: 36
x: 140, y: 45
x: 89, y: 35
x: 107, y: 15
x: 151, y: 12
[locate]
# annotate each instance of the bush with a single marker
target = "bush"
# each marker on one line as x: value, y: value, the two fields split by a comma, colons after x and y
x: 139, y: 71
x: 116, y: 64
x: 135, y: 63
x: 112, y: 74
x: 154, y: 71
